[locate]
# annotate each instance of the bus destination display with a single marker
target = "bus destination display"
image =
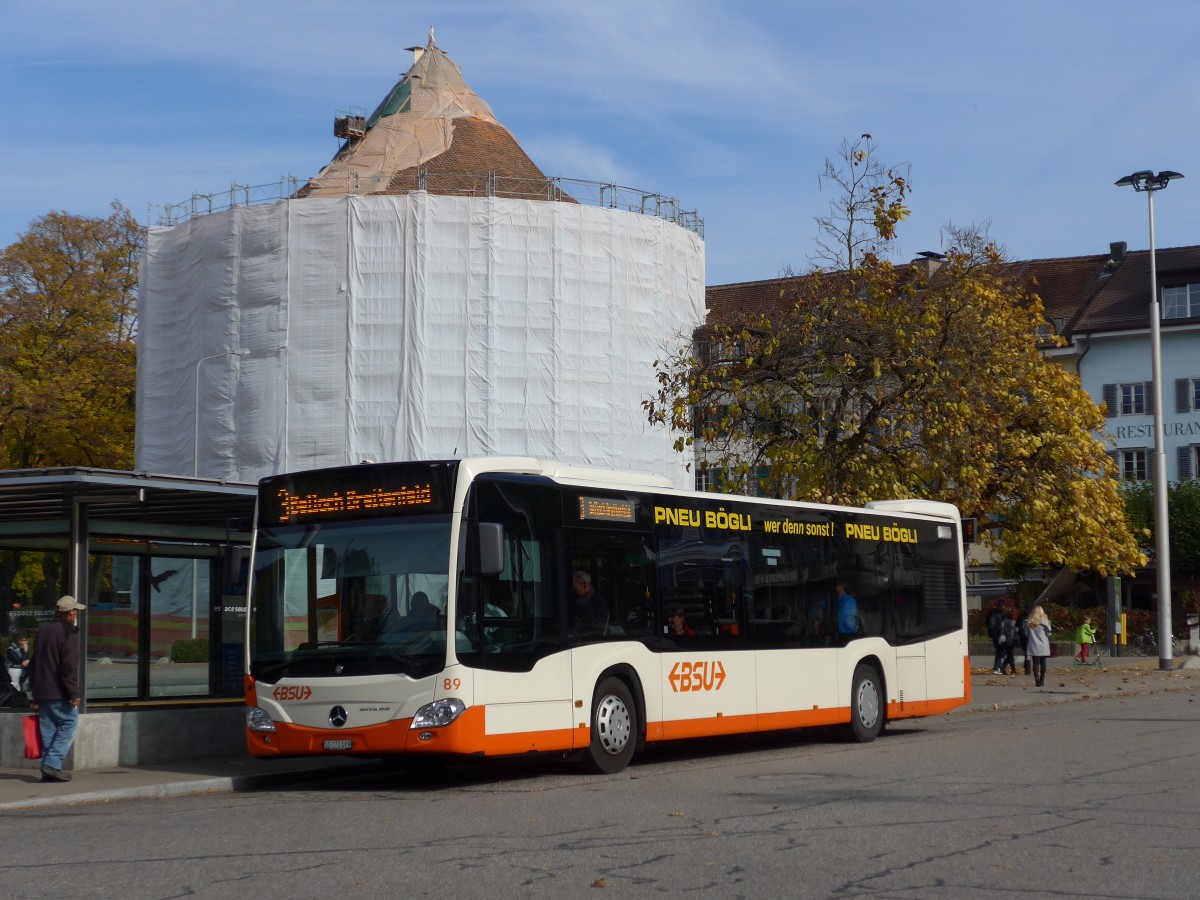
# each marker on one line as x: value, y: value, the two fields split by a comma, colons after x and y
x: 298, y: 507
x: 606, y: 509
x: 355, y: 493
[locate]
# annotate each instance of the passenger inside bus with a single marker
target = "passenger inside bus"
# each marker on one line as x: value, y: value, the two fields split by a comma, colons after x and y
x: 420, y: 610
x: 589, y: 612
x: 677, y: 625
x: 847, y: 612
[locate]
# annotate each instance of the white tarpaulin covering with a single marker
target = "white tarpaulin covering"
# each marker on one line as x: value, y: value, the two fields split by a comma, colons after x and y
x: 409, y: 327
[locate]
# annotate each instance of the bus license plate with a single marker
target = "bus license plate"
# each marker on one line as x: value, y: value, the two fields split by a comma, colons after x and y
x: 342, y: 744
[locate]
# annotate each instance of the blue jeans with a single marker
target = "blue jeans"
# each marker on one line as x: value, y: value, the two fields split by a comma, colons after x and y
x: 57, y: 720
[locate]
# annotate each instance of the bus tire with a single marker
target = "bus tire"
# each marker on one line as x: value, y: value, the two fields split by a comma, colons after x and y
x: 614, y: 727
x: 866, y: 704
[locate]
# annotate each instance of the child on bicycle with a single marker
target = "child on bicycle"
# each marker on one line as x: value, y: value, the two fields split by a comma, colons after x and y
x: 1085, y: 636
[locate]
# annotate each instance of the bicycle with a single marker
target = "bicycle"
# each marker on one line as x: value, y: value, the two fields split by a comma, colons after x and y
x: 1146, y: 643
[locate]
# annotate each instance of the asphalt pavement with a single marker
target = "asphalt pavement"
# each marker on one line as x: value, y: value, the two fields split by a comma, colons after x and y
x: 23, y: 789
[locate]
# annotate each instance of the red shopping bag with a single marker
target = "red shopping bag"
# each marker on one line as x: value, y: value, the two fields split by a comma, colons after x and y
x: 33, y: 737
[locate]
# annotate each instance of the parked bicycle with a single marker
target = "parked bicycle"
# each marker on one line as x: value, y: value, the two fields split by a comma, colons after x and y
x: 1146, y: 643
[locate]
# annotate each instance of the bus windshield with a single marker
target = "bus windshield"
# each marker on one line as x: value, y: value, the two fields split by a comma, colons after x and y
x: 350, y: 598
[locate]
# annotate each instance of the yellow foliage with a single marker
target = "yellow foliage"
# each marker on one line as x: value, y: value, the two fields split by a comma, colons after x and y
x: 68, y: 361
x: 875, y: 382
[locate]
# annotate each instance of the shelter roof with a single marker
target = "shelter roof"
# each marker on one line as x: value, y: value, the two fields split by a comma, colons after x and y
x: 161, y: 503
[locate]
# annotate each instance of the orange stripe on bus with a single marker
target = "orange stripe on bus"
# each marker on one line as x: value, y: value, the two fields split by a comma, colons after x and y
x: 677, y: 729
x: 302, y: 740
x: 468, y: 734
x: 804, y: 718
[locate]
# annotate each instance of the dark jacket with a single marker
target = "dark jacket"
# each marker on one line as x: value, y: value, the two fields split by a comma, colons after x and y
x: 14, y: 657
x: 1021, y: 617
x: 54, y: 665
x: 1011, y: 633
x: 995, y: 619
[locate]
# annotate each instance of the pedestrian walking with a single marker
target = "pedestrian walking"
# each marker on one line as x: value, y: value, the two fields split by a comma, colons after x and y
x: 1008, y: 638
x: 54, y: 682
x: 1037, y: 643
x: 1022, y: 618
x: 995, y: 619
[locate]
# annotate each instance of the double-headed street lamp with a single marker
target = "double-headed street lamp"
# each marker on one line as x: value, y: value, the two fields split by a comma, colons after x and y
x: 1149, y: 182
x: 241, y: 351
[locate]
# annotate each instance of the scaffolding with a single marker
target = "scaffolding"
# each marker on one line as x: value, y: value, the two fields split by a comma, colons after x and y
x: 488, y: 184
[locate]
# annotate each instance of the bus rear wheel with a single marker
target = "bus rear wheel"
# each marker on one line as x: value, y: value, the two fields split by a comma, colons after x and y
x: 866, y: 704
x: 614, y: 727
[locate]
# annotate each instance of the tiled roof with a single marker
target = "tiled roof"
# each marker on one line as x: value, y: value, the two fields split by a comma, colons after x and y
x: 727, y: 302
x: 1088, y: 293
x: 1065, y: 285
x: 477, y: 148
x: 1124, y: 301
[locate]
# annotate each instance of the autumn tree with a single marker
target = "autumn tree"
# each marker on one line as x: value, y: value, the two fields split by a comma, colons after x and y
x: 67, y: 355
x: 873, y: 381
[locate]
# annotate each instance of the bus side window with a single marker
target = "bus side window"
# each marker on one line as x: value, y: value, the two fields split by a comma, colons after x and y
x: 608, y: 594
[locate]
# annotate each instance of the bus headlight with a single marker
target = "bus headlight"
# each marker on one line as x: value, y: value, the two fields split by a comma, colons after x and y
x: 258, y: 720
x: 439, y: 712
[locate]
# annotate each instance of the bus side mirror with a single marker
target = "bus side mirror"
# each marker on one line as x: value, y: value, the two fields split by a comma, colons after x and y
x: 490, y: 544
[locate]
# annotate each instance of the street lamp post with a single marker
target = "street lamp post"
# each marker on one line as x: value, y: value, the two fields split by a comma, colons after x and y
x: 1149, y: 182
x: 241, y: 351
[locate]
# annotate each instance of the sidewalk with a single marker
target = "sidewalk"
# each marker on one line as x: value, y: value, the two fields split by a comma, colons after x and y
x: 1124, y: 675
x: 23, y: 789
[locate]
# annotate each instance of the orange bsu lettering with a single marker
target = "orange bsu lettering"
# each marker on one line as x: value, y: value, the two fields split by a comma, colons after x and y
x: 291, y: 692
x: 704, y: 675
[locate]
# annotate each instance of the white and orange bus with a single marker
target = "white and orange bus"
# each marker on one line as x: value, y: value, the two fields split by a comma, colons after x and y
x: 501, y: 606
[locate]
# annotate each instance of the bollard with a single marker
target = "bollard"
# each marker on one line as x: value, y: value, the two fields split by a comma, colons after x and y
x: 1193, y: 620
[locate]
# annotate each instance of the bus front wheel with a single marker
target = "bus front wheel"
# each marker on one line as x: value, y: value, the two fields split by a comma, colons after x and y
x: 866, y: 704
x: 614, y: 727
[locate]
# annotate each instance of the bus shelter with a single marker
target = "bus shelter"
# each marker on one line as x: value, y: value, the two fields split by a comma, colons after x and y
x: 156, y: 561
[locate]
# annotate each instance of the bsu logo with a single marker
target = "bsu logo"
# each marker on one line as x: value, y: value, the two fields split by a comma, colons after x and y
x: 291, y: 692
x: 697, y: 676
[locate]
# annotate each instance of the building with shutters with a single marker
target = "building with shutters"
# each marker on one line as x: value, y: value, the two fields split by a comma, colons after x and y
x: 1106, y: 320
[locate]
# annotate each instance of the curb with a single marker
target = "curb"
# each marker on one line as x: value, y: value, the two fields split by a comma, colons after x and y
x: 220, y: 784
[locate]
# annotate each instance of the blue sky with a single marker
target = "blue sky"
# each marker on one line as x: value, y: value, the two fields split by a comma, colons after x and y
x: 1018, y: 114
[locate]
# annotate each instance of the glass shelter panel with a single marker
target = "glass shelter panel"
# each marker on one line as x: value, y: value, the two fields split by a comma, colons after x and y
x: 31, y: 581
x: 179, y: 592
x: 112, y: 628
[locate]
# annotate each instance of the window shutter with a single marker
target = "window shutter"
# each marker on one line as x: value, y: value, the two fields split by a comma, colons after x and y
x: 1110, y: 400
x: 1116, y: 464
x: 1185, y: 463
x: 1149, y: 465
x: 1149, y: 398
x: 1183, y: 395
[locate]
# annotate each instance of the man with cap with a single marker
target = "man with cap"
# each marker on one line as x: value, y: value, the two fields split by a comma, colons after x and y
x: 54, y: 683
